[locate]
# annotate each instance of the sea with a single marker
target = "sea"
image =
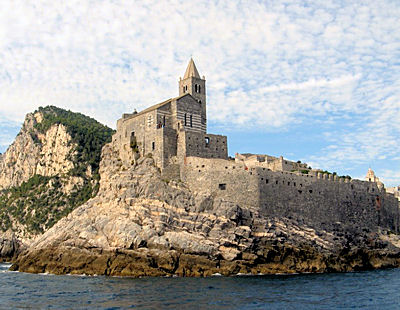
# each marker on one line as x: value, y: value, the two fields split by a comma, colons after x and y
x: 378, y: 289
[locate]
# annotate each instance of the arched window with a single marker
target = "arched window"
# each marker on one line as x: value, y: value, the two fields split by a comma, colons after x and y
x: 199, y: 89
x: 195, y: 88
x: 183, y: 88
x: 207, y: 140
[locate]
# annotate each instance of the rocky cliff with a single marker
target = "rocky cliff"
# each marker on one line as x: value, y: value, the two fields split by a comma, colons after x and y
x: 142, y: 224
x: 51, y: 168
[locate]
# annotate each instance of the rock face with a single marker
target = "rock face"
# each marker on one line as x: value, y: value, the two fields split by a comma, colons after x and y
x: 51, y: 168
x: 35, y: 153
x: 142, y: 225
x: 10, y: 246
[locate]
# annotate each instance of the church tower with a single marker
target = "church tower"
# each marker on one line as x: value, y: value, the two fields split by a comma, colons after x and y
x: 196, y: 86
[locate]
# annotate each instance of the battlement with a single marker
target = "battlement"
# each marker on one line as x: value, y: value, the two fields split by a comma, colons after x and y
x: 317, y: 198
x: 174, y: 133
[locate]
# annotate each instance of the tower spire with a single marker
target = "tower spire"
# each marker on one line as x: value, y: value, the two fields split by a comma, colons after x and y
x: 191, y: 70
x: 194, y: 85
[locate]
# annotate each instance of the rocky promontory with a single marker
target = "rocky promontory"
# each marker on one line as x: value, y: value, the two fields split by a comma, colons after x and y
x: 142, y: 224
x: 49, y: 169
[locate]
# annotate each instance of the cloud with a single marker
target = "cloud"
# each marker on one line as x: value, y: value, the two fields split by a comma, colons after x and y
x: 270, y: 66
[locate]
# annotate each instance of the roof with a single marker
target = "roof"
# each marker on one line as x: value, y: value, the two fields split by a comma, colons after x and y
x: 158, y: 105
x: 191, y: 70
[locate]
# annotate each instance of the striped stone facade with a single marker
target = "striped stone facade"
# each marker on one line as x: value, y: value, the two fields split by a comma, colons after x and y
x: 174, y: 129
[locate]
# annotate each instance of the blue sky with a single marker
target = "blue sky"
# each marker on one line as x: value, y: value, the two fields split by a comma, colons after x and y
x: 316, y: 81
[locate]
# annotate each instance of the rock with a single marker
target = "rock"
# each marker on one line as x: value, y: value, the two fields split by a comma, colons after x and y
x: 10, y: 246
x: 138, y: 225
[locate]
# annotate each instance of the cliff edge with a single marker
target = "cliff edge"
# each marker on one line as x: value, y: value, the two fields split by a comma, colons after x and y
x: 50, y: 169
x: 141, y: 224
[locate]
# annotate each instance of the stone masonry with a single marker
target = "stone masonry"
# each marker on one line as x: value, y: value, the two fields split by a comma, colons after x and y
x: 174, y: 133
x: 174, y: 129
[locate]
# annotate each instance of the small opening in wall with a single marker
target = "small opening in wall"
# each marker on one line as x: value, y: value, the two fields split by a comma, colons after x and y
x: 207, y: 140
x: 294, y: 183
x: 153, y: 146
x: 300, y: 191
x: 288, y: 183
x: 310, y: 191
x: 266, y: 181
x: 276, y: 182
x: 222, y: 186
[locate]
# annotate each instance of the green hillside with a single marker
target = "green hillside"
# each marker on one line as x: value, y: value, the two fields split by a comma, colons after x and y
x: 40, y: 202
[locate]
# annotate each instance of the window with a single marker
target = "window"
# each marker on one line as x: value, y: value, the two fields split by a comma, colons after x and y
x: 198, y: 88
x: 183, y: 89
x: 222, y: 186
x: 195, y: 88
x: 185, y: 119
x: 207, y: 140
x: 191, y: 120
x: 153, y: 145
x: 163, y: 121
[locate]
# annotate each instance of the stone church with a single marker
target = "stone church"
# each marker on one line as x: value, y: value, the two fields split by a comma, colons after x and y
x: 173, y: 129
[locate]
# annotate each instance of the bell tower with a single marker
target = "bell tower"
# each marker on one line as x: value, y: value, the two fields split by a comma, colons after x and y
x: 194, y: 85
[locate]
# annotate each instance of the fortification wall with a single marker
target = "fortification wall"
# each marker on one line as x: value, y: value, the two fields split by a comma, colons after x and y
x: 326, y: 201
x: 222, y: 179
x: 206, y: 145
x: 321, y: 201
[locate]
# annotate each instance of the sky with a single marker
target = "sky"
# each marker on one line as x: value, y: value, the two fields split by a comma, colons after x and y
x: 316, y: 81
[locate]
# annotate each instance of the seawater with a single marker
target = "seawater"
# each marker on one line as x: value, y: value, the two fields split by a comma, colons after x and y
x: 359, y: 290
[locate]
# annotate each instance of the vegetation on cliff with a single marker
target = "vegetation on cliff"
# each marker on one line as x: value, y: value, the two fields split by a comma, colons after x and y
x: 38, y: 203
x: 86, y: 132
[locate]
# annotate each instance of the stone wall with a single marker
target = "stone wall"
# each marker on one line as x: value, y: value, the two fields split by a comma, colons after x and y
x: 221, y: 179
x: 320, y: 201
x: 205, y: 145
